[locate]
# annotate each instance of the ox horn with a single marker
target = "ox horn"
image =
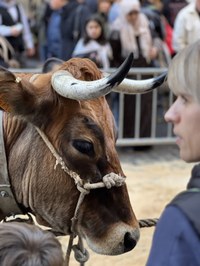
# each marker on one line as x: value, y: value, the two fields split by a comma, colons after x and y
x: 130, y: 86
x: 69, y: 87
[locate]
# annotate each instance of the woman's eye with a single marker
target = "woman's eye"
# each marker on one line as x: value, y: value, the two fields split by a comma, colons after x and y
x: 84, y: 147
x: 183, y: 98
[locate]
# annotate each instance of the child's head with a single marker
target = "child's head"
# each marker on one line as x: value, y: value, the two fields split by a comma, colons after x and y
x: 130, y: 10
x: 27, y: 245
x: 94, y: 29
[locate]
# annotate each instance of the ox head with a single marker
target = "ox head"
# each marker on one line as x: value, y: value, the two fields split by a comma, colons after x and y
x: 69, y: 107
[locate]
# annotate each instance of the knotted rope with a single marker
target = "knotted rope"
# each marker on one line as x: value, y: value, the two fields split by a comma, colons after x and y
x: 81, y: 254
x: 108, y: 181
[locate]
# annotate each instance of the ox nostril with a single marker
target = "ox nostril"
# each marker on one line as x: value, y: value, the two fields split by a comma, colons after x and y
x: 129, y: 242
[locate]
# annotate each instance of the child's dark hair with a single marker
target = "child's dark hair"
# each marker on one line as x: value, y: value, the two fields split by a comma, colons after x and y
x: 102, y: 37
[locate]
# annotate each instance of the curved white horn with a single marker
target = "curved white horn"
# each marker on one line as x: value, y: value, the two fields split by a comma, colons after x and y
x: 69, y: 87
x: 131, y: 86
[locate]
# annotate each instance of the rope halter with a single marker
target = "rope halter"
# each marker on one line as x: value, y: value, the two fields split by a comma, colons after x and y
x: 108, y: 181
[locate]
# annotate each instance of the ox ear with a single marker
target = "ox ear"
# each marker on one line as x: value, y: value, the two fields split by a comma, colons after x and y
x: 17, y: 95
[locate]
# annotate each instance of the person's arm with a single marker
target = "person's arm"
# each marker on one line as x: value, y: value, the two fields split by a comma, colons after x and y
x: 6, y: 31
x: 179, y: 36
x: 105, y: 53
x: 27, y: 35
x: 78, y: 48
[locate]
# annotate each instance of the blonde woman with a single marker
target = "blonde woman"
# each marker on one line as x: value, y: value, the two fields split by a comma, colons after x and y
x: 130, y: 32
x: 176, y: 239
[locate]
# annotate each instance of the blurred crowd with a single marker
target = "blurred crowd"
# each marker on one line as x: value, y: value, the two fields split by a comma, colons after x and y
x: 105, y: 31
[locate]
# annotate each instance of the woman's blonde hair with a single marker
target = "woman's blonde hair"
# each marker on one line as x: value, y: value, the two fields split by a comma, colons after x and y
x: 184, y: 72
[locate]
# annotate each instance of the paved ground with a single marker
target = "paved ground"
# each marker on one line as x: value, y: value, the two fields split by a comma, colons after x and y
x: 160, y: 153
x: 153, y: 178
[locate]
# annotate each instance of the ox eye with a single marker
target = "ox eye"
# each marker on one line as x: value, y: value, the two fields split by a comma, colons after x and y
x: 84, y: 147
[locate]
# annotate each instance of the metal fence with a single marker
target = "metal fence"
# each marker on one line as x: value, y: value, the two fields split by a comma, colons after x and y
x: 162, y: 98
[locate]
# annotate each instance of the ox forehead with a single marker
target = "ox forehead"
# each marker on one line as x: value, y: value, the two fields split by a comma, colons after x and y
x: 86, y: 126
x: 82, y: 132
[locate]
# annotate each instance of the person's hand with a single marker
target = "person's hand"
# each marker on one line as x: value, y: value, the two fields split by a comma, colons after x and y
x: 153, y: 52
x: 30, y: 52
x: 16, y: 30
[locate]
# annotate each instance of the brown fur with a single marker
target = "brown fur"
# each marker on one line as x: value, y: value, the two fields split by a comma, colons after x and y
x: 105, y: 215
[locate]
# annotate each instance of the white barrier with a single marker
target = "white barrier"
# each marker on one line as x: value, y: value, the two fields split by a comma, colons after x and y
x: 162, y: 98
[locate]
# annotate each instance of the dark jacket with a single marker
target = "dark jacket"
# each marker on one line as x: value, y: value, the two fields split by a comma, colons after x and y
x: 176, y: 240
x: 53, y: 35
x: 72, y: 22
x: 7, y: 20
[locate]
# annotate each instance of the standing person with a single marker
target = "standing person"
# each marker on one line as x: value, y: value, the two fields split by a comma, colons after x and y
x: 31, y: 8
x: 27, y: 245
x: 130, y: 32
x: 43, y: 14
x: 94, y: 44
x: 171, y: 8
x: 92, y: 4
x: 15, y: 28
x: 134, y: 34
x: 103, y: 12
x: 53, y: 32
x: 176, y: 240
x: 114, y: 11
x: 72, y: 22
x: 187, y: 26
x: 152, y: 9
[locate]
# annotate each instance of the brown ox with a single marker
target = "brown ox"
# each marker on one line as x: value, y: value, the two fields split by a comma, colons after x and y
x: 84, y: 135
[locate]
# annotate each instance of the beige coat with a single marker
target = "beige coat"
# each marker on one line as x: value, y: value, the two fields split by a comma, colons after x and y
x: 186, y: 27
x: 129, y: 32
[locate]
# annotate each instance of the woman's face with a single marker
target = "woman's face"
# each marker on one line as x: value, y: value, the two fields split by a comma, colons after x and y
x: 104, y: 6
x: 93, y: 29
x: 184, y: 114
x: 132, y: 16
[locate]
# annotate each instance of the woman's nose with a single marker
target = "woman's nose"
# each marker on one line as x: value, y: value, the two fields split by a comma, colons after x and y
x: 171, y: 115
x: 167, y: 116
